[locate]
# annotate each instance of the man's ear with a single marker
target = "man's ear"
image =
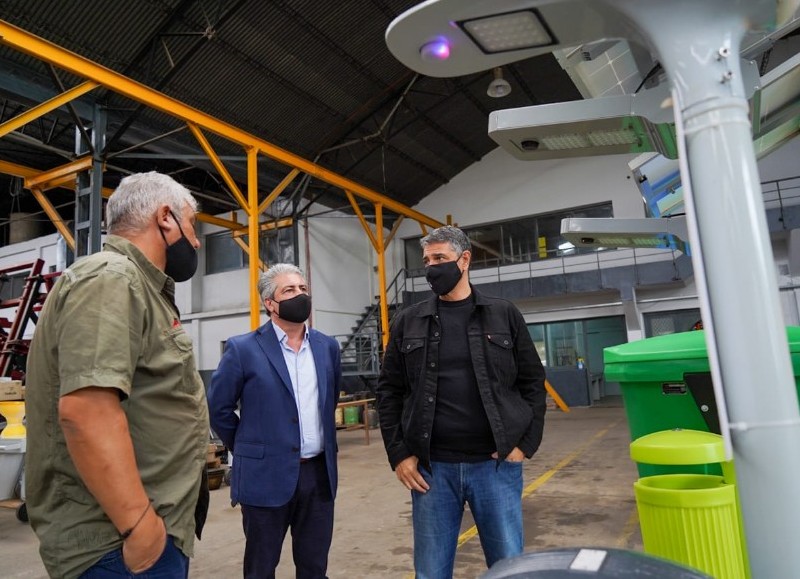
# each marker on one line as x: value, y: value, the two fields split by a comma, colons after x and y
x: 164, y: 218
x: 468, y: 254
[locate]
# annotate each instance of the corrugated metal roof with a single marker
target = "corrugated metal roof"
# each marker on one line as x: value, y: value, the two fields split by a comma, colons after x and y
x: 313, y: 77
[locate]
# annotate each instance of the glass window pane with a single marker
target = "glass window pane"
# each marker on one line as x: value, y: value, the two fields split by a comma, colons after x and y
x: 414, y: 256
x: 222, y: 253
x: 523, y: 240
x: 663, y: 323
x: 487, y: 247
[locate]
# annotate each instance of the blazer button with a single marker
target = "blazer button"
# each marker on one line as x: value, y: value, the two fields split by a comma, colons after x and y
x: 433, y: 364
x: 430, y: 398
x: 424, y: 435
x: 295, y: 449
x: 295, y: 420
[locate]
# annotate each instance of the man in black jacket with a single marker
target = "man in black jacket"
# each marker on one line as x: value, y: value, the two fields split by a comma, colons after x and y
x: 461, y: 402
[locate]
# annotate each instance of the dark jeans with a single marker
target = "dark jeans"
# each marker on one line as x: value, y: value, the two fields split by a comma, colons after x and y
x: 172, y: 564
x: 494, y: 493
x: 309, y: 513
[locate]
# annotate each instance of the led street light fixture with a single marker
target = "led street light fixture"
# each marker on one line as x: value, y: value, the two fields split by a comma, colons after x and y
x: 506, y: 32
x: 610, y: 232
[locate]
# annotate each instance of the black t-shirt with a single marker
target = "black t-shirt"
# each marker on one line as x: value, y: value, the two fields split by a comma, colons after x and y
x: 461, y: 431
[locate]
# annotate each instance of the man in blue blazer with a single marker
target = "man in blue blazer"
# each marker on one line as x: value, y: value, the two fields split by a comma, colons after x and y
x: 284, y: 380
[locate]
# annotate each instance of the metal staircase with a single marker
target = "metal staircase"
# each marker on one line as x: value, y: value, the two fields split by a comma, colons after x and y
x: 362, y: 349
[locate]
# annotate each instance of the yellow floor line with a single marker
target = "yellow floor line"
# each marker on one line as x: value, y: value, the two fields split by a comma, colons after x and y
x: 528, y: 490
x: 629, y: 529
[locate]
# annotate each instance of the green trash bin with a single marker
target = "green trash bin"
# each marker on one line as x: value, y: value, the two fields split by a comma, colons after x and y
x: 666, y: 384
x: 693, y: 519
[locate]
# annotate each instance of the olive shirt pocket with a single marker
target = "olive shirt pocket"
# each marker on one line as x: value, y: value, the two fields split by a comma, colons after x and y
x: 180, y: 343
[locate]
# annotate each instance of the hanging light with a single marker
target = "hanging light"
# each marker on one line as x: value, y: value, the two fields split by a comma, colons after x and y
x: 499, y: 86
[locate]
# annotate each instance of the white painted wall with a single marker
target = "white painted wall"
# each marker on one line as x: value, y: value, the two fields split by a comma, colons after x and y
x: 500, y: 187
x: 342, y: 278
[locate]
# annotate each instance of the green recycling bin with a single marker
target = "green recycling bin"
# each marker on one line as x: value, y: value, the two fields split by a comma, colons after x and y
x: 666, y: 384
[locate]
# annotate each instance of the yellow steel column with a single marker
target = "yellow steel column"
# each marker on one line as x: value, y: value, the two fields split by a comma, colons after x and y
x: 253, y: 232
x: 382, y: 274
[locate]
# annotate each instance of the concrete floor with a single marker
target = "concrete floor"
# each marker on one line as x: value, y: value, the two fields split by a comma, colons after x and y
x: 578, y: 492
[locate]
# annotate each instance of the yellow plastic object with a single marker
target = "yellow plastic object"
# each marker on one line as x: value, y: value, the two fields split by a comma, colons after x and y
x: 678, y: 447
x: 692, y: 519
x: 14, y: 412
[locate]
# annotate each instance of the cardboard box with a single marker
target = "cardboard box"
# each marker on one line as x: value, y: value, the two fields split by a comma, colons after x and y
x: 11, y: 390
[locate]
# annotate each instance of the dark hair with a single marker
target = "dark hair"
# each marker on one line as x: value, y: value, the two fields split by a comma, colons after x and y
x: 457, y: 239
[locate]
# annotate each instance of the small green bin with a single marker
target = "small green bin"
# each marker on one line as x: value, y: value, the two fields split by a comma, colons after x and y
x: 666, y: 384
x: 693, y: 519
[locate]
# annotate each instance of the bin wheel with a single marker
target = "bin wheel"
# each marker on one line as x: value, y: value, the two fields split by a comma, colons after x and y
x: 22, y: 513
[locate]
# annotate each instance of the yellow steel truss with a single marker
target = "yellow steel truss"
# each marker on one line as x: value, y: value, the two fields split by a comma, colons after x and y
x: 198, y: 121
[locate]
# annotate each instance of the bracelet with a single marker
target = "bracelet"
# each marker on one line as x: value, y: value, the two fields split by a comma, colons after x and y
x: 124, y: 535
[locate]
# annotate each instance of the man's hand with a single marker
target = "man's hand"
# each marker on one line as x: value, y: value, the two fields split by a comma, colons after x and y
x: 515, y: 455
x: 408, y: 474
x: 146, y: 543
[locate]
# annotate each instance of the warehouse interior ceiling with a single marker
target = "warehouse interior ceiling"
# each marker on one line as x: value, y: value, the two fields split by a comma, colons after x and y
x: 314, y: 78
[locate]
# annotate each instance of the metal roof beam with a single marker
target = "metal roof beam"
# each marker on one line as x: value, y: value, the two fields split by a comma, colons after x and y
x: 41, y: 49
x: 44, y: 108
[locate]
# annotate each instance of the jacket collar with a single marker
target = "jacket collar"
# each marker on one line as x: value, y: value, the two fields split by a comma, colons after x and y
x: 428, y: 307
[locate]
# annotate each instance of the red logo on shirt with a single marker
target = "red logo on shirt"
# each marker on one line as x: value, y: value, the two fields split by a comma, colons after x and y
x: 176, y: 323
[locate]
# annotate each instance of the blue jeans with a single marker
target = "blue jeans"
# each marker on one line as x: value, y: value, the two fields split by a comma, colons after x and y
x: 172, y: 564
x: 493, y: 491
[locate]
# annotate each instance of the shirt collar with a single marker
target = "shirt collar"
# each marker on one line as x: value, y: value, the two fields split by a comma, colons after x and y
x: 282, y: 337
x: 160, y: 280
x: 428, y: 307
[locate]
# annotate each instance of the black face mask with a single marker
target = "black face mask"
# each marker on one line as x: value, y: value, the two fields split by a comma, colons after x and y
x: 443, y: 277
x: 181, y: 256
x: 296, y: 309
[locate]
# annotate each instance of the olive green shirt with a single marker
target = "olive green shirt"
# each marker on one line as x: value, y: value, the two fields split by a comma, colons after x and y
x: 111, y: 321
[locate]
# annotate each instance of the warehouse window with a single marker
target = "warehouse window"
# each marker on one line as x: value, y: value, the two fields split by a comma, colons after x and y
x: 672, y: 322
x: 523, y: 240
x: 224, y: 254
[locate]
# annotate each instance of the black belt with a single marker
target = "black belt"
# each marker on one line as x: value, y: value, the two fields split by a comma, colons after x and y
x: 320, y: 456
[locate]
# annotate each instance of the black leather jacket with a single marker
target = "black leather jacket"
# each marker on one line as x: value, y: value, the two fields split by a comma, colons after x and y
x: 509, y: 373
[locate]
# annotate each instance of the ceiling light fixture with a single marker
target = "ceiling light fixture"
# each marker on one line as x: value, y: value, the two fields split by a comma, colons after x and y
x: 499, y: 86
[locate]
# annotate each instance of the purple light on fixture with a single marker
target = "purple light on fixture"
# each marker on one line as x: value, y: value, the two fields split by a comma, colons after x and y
x: 436, y: 50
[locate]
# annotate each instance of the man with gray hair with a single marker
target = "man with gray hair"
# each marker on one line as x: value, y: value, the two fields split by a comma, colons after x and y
x: 117, y: 421
x: 284, y: 379
x: 461, y: 403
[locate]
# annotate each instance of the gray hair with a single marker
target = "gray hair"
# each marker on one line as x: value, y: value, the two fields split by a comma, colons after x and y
x: 457, y: 239
x: 138, y: 196
x: 267, y: 283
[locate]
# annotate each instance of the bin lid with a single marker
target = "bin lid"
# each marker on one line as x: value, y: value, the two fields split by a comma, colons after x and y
x: 668, y: 358
x: 678, y: 446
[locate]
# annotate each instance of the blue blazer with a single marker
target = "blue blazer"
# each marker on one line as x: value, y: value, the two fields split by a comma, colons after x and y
x: 265, y: 436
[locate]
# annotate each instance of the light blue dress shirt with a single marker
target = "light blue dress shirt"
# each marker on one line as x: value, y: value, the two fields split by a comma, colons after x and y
x: 303, y: 373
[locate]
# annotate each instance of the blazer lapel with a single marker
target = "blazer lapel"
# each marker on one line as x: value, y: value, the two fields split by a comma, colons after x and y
x: 268, y: 341
x: 320, y: 362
